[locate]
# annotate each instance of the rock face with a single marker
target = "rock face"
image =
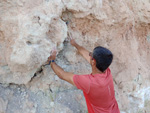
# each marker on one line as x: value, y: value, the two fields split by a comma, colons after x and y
x: 29, y: 29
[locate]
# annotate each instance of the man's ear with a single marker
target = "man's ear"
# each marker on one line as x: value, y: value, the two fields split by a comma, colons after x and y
x: 93, y: 62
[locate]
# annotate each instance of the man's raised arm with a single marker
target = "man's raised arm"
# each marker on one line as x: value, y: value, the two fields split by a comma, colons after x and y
x: 81, y: 50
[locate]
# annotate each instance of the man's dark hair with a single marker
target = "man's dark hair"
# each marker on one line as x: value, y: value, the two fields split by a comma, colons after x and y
x: 103, y: 58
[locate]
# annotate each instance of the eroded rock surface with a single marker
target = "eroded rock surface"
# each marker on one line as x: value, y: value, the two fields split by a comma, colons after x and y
x: 29, y: 30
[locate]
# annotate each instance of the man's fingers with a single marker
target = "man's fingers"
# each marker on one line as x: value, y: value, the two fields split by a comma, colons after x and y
x: 54, y: 53
x: 53, y: 50
x: 70, y: 36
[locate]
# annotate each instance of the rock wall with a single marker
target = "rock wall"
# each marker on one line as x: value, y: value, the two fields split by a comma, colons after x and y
x: 29, y: 29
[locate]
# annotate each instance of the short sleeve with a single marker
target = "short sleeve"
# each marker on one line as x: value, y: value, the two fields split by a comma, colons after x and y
x: 82, y: 82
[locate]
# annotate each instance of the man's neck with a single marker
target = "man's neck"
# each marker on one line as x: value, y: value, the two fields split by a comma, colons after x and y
x: 96, y: 71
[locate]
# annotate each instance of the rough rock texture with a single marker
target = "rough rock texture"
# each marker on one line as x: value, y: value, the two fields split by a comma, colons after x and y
x: 29, y: 29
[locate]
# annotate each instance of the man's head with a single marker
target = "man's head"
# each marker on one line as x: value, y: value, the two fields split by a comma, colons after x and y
x: 102, y: 58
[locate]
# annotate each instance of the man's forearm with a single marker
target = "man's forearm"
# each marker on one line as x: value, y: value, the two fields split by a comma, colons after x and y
x: 57, y: 69
x: 83, y: 51
x: 67, y: 76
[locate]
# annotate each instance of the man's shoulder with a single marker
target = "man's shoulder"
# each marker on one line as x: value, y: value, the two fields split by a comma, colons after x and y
x: 82, y: 76
x: 82, y: 82
x: 108, y: 71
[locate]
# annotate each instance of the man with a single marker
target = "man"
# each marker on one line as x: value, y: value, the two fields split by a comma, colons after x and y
x: 97, y: 87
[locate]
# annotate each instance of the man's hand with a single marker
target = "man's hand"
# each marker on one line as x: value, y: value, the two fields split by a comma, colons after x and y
x: 52, y: 56
x: 72, y: 41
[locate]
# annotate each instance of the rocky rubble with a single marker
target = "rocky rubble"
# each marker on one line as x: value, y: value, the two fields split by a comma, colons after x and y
x: 29, y: 30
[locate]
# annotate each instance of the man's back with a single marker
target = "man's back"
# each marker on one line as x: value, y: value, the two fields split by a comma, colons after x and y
x: 98, y: 91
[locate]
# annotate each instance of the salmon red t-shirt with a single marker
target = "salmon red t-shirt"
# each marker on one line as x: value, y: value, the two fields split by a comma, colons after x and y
x: 98, y: 91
